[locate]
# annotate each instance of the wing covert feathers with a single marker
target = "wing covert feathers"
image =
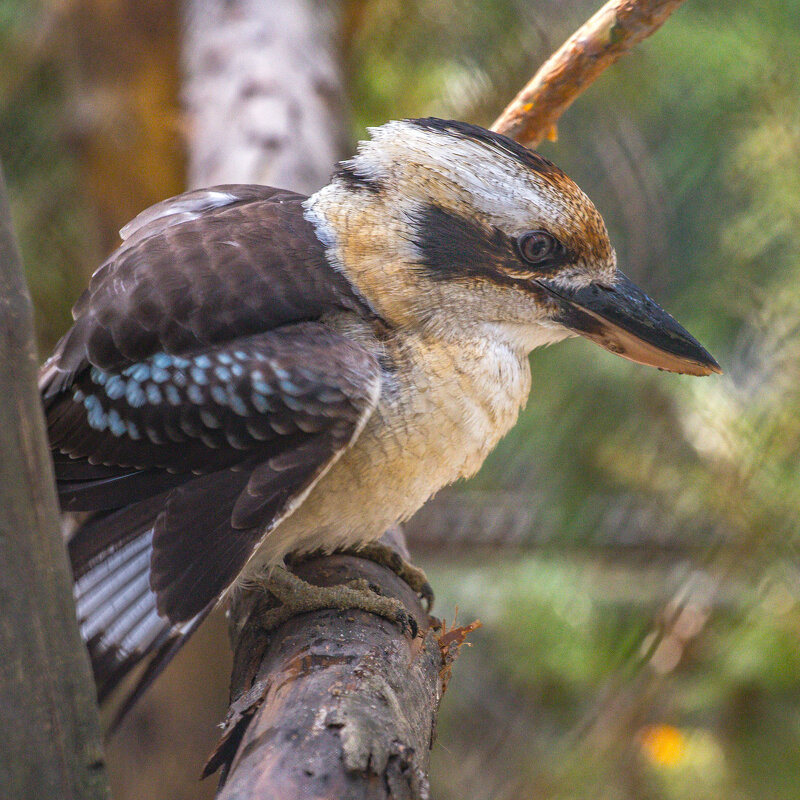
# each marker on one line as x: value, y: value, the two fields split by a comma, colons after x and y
x: 201, y: 268
x: 123, y: 436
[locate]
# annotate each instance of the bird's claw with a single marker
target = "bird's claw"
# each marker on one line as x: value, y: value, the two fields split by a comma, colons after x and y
x: 297, y: 596
x: 388, y: 557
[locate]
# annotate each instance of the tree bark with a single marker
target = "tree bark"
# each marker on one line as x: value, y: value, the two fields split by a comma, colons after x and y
x: 48, y: 707
x: 596, y: 45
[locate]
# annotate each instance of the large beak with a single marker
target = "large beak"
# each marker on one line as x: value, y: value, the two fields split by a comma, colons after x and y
x: 624, y: 320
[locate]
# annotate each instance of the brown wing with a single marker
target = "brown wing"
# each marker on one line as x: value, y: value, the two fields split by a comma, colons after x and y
x: 238, y: 431
x: 204, y: 267
x: 192, y: 402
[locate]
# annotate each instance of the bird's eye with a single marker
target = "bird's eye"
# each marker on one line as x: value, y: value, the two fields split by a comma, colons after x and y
x: 536, y: 246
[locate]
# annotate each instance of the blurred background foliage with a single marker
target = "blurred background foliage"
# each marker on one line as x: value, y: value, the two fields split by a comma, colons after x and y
x: 632, y: 546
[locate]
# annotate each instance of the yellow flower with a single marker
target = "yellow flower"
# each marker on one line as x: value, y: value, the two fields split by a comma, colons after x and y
x: 662, y: 745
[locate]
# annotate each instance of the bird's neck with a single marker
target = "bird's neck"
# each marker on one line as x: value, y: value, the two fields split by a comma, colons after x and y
x: 364, y: 238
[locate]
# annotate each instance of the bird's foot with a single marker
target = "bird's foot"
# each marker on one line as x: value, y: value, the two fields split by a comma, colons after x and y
x: 299, y: 597
x: 387, y: 557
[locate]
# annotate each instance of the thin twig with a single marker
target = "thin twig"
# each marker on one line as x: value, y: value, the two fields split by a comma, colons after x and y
x: 619, y: 25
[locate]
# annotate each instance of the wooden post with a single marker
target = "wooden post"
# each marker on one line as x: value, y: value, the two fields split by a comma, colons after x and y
x: 48, y: 709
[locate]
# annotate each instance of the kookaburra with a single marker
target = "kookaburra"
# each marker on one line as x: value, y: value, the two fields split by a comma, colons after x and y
x: 254, y: 373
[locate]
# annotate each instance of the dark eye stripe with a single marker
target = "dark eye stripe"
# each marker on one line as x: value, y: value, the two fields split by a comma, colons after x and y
x: 453, y: 247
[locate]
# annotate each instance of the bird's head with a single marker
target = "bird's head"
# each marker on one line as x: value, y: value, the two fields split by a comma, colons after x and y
x: 448, y: 226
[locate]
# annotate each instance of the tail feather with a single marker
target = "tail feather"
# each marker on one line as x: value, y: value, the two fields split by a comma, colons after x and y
x: 164, y: 649
x: 117, y: 614
x: 100, y: 593
x: 138, y: 627
x: 113, y: 604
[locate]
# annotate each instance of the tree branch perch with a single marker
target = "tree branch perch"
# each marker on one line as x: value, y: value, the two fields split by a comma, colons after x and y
x: 346, y: 701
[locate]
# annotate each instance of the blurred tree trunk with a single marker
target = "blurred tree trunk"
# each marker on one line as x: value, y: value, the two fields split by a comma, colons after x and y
x: 335, y: 703
x: 48, y: 708
x: 263, y: 92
